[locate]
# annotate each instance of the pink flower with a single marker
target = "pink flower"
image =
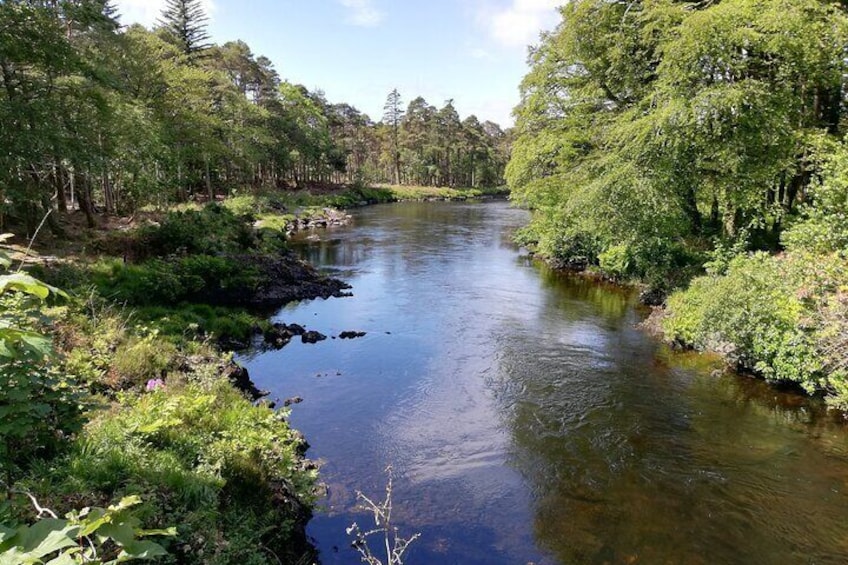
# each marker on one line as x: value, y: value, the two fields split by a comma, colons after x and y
x: 155, y: 384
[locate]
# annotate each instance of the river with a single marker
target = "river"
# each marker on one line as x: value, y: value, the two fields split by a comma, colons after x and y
x: 527, y: 418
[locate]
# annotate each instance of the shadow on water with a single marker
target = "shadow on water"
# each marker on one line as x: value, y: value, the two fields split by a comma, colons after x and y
x: 527, y: 418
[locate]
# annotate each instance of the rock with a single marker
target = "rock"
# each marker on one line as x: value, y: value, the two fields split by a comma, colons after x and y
x: 240, y: 379
x: 312, y: 337
x: 295, y: 400
x: 284, y: 279
x: 352, y: 335
x: 296, y: 329
x: 652, y: 297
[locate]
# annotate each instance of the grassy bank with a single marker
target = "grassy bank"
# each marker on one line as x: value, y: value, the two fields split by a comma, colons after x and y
x: 287, y: 211
x: 119, y: 388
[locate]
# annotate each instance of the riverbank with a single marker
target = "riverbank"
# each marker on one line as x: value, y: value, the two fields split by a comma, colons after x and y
x: 778, y: 318
x: 147, y: 400
x: 155, y: 302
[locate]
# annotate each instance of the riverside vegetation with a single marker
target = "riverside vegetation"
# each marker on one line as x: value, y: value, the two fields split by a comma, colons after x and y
x: 699, y: 147
x: 119, y: 385
x: 101, y: 402
x: 117, y: 389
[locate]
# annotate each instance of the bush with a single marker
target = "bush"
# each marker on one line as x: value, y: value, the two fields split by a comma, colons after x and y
x: 141, y: 359
x: 213, y: 230
x: 778, y: 316
x: 227, y: 472
x: 39, y: 405
x: 616, y: 261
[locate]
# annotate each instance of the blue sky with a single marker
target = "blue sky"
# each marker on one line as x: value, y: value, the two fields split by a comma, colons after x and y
x: 357, y: 51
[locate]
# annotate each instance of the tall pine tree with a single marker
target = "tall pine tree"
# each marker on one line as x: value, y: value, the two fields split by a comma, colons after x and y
x: 186, y: 21
x: 392, y: 118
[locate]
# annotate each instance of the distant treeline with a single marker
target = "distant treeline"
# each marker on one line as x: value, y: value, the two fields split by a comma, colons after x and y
x: 100, y: 117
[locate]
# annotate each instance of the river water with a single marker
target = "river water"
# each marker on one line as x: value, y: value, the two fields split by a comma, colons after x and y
x: 528, y: 420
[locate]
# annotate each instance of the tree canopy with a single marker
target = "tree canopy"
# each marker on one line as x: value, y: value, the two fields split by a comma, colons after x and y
x: 105, y: 119
x: 656, y: 123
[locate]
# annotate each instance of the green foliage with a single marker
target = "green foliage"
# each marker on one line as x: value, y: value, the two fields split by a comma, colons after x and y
x: 823, y: 226
x: 38, y: 404
x: 212, y: 230
x: 227, y: 472
x: 92, y: 535
x: 187, y: 322
x: 171, y: 281
x: 768, y: 314
x: 648, y: 128
x: 143, y: 358
x: 616, y: 261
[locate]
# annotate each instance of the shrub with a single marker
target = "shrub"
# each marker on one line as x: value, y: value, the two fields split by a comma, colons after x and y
x: 226, y: 471
x: 212, y: 230
x: 616, y: 261
x: 769, y: 314
x: 39, y: 405
x: 141, y: 359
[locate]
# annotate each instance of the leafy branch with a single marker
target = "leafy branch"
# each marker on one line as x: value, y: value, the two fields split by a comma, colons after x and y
x: 91, y: 536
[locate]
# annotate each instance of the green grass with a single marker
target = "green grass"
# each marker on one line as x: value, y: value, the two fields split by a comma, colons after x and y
x: 202, y: 457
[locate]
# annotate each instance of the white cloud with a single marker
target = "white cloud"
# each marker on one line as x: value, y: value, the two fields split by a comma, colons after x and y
x: 146, y: 12
x: 363, y: 12
x: 481, y: 54
x: 519, y: 23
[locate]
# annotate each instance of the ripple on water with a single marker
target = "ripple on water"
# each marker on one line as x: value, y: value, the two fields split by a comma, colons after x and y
x: 528, y: 420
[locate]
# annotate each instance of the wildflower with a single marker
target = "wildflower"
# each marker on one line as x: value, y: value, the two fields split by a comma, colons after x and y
x: 155, y: 384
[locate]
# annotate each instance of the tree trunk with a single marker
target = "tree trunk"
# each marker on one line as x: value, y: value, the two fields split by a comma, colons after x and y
x: 84, y: 197
x: 208, y: 174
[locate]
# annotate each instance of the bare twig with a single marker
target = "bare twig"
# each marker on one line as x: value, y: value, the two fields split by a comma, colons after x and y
x: 32, y: 239
x: 394, y: 545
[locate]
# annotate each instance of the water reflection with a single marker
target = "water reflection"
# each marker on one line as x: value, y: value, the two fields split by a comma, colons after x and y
x: 527, y: 418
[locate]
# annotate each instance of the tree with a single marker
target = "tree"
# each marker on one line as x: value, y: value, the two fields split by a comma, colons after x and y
x: 646, y: 128
x: 392, y: 118
x: 185, y: 21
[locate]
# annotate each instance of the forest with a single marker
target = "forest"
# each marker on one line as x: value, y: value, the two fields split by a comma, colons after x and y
x: 108, y: 119
x: 699, y: 147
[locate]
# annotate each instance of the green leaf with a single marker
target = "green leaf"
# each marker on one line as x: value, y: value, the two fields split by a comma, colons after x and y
x: 6, y: 534
x: 65, y: 558
x: 24, y: 283
x: 15, y: 557
x: 168, y: 532
x: 94, y: 520
x: 48, y: 536
x: 142, y: 550
x: 122, y: 534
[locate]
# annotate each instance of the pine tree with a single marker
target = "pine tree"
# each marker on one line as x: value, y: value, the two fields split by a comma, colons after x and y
x: 186, y: 21
x: 392, y: 118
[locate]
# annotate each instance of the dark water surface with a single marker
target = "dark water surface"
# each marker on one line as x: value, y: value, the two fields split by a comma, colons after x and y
x: 528, y: 420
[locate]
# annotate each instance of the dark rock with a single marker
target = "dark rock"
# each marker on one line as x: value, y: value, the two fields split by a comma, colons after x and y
x: 295, y: 400
x: 312, y: 337
x: 280, y: 335
x: 282, y: 279
x: 296, y: 329
x: 352, y: 335
x: 652, y: 297
x: 240, y: 379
